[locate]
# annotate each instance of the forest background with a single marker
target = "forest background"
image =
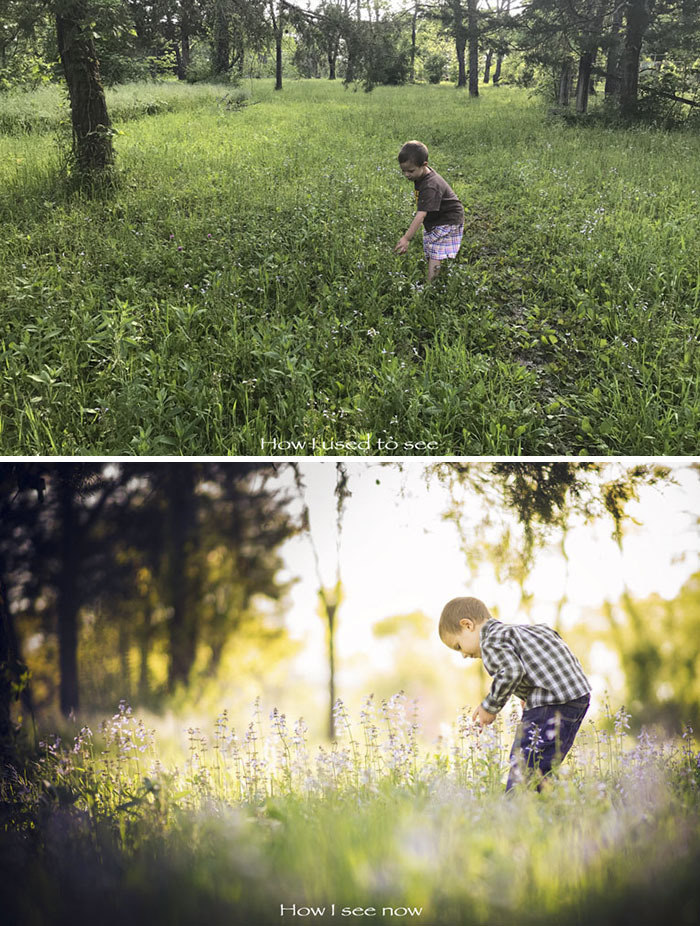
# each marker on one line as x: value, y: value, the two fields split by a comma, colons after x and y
x: 184, y: 587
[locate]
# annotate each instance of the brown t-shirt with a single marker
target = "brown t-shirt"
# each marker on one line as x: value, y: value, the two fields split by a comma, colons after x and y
x: 436, y: 197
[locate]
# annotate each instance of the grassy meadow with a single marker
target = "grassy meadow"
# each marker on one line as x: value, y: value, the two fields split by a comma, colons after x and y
x: 236, y: 293
x: 259, y: 826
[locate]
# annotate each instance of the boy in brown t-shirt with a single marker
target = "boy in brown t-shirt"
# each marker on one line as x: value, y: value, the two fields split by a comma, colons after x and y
x: 437, y: 208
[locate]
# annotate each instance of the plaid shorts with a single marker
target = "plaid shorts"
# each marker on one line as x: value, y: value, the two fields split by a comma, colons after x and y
x: 442, y: 241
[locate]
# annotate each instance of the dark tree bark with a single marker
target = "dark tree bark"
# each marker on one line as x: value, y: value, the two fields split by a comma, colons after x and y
x: 278, y: 60
x: 565, y: 76
x: 68, y: 598
x: 144, y: 685
x: 473, y: 28
x: 414, y: 21
x: 583, y: 85
x: 185, y: 55
x: 487, y: 66
x: 638, y: 14
x: 460, y: 36
x: 92, y: 130
x: 497, y: 72
x: 7, y: 729
x: 612, y: 67
x: 181, y: 522
x: 461, y: 62
x: 222, y: 43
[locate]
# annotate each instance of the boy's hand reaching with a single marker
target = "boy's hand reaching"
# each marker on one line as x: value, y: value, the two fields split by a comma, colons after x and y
x: 483, y: 717
x: 402, y: 246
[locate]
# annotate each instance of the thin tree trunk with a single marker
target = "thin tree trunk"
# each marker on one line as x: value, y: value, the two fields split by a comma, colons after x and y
x: 180, y: 540
x: 278, y: 59
x: 186, y: 55
x: 460, y: 35
x: 7, y: 729
x: 414, y: 20
x: 222, y: 44
x: 583, y: 84
x: 612, y: 67
x: 487, y: 66
x: 497, y: 72
x: 638, y: 16
x: 124, y: 660
x: 68, y: 598
x: 564, y: 82
x: 144, y: 649
x: 462, y: 70
x: 473, y: 21
x: 92, y: 130
x: 330, y: 613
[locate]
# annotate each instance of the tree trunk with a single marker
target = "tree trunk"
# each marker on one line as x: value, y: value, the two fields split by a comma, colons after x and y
x: 92, y: 130
x: 180, y: 521
x: 638, y: 16
x: 68, y: 598
x: 331, y: 609
x: 278, y: 59
x: 144, y: 649
x: 564, y: 82
x: 124, y: 657
x: 331, y: 66
x: 462, y: 71
x: 487, y: 66
x: 222, y: 45
x: 497, y: 72
x: 7, y: 729
x: 612, y: 67
x: 583, y: 84
x: 413, y: 42
x: 473, y: 47
x: 186, y: 54
x: 460, y: 35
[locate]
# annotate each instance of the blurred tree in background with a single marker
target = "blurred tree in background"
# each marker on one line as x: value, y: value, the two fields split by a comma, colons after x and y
x: 129, y: 579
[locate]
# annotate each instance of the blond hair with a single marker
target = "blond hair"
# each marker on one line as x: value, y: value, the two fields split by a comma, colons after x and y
x: 472, y: 608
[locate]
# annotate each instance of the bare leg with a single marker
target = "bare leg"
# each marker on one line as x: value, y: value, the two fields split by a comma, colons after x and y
x: 433, y: 269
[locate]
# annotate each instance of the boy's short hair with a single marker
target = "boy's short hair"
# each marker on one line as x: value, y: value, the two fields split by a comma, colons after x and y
x: 415, y: 152
x: 455, y: 610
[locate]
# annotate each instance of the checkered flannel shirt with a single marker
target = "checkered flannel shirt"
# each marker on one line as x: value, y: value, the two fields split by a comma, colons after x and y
x: 531, y: 662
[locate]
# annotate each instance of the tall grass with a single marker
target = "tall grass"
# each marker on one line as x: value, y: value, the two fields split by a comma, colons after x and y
x: 253, y: 825
x: 46, y: 108
x: 239, y: 291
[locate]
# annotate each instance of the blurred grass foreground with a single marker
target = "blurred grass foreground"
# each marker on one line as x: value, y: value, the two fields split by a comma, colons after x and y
x: 258, y: 826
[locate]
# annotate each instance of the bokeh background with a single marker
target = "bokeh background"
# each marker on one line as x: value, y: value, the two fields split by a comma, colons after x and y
x: 191, y: 587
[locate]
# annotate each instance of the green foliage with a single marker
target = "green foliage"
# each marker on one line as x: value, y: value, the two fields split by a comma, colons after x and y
x: 435, y: 67
x: 654, y: 641
x: 239, y: 286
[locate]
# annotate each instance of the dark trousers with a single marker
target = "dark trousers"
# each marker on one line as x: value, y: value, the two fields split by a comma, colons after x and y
x: 544, y: 736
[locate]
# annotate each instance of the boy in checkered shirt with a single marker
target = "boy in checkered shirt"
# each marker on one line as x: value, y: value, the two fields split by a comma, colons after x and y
x: 437, y: 208
x: 532, y: 662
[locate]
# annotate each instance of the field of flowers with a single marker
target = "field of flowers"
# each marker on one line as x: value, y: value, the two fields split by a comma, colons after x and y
x: 257, y: 826
x: 236, y: 293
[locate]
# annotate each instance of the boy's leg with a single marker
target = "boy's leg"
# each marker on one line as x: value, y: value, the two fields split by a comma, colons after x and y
x: 544, y: 737
x: 433, y: 268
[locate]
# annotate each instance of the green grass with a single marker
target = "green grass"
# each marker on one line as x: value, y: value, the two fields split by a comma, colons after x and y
x: 105, y: 828
x: 238, y: 289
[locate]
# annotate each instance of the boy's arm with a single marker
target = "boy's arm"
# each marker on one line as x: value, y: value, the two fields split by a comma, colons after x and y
x: 507, y: 677
x: 402, y: 246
